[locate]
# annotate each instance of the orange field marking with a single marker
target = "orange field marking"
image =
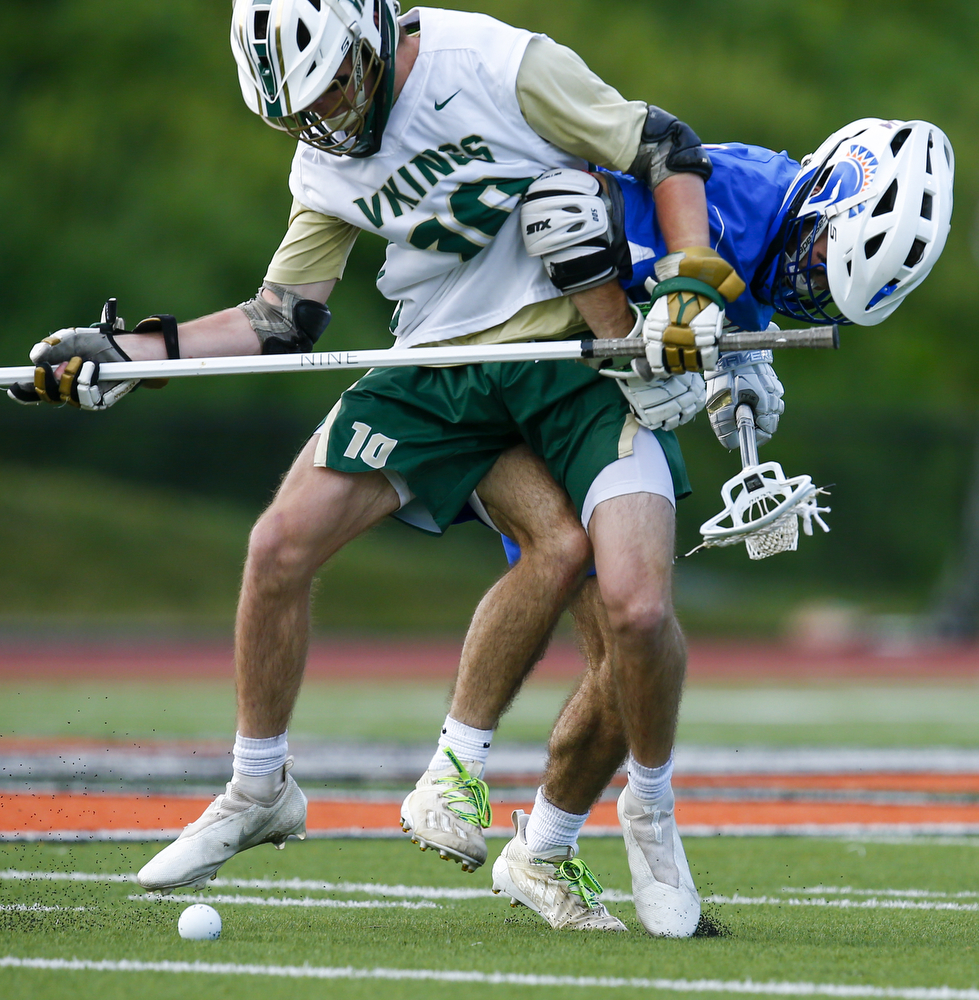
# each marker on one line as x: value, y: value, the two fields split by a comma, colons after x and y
x: 963, y: 784
x: 26, y: 813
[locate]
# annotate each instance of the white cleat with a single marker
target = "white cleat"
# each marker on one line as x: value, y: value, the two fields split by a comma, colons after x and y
x: 666, y: 899
x: 561, y: 889
x: 232, y: 823
x: 447, y: 812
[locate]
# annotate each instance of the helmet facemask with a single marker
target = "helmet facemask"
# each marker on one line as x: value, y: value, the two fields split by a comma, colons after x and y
x: 340, y: 118
x: 320, y: 70
x: 802, y: 281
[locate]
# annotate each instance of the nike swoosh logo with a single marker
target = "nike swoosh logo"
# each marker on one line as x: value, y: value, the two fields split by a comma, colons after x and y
x: 438, y: 107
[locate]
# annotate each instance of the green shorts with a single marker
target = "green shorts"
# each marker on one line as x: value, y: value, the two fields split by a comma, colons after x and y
x: 441, y: 429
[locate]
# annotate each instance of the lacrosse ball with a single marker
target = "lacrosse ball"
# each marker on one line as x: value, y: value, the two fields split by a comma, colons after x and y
x: 199, y: 922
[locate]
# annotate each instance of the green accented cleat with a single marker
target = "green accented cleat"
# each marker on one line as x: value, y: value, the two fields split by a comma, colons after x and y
x: 448, y: 811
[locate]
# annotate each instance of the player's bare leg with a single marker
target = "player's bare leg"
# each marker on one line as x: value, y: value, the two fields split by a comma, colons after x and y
x: 633, y: 537
x: 540, y: 867
x: 448, y: 809
x: 634, y: 566
x: 315, y: 512
x: 512, y: 624
x: 586, y: 747
x: 588, y: 743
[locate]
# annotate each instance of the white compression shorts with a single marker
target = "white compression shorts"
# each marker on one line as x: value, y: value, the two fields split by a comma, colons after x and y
x: 644, y: 471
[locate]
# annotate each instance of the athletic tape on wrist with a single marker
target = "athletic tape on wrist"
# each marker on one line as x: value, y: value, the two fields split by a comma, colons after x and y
x: 682, y: 284
x: 165, y: 324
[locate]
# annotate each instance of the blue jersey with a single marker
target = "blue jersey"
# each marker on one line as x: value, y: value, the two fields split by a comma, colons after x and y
x: 745, y: 211
x: 744, y: 205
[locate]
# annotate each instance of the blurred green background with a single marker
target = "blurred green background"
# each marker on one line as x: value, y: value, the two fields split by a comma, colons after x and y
x: 129, y: 166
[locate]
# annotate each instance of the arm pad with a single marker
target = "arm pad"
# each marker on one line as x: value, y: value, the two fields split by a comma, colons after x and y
x: 290, y: 328
x: 575, y: 224
x: 668, y: 146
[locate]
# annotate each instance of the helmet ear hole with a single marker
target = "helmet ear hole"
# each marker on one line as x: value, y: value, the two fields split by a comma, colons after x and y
x: 886, y: 203
x: 303, y: 37
x: 873, y: 245
x: 915, y: 254
x: 926, y: 206
x: 821, y: 183
x: 261, y: 23
x: 899, y: 140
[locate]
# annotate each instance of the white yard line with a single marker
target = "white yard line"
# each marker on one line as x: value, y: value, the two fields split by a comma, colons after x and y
x: 846, y: 890
x: 305, y: 901
x: 842, y: 904
x: 881, y: 899
x: 499, y: 978
x: 919, y: 841
x: 15, y: 875
x: 368, y: 888
x: 294, y: 884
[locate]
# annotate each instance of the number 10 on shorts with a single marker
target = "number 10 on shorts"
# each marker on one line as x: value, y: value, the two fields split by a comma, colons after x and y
x: 377, y: 449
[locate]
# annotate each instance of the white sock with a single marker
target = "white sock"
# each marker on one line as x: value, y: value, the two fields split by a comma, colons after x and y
x: 258, y: 765
x: 649, y: 784
x: 551, y: 830
x: 466, y: 743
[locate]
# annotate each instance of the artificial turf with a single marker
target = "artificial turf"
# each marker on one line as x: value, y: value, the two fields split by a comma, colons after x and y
x: 858, y: 945
x: 815, y: 715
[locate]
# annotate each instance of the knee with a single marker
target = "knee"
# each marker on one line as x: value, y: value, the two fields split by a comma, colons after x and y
x: 639, y: 617
x: 564, y: 553
x: 278, y: 552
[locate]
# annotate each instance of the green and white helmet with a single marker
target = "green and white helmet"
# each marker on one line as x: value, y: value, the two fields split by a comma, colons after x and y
x: 289, y: 53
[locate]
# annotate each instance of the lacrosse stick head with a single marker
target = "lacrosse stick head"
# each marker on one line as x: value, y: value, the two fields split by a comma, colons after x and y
x: 762, y: 508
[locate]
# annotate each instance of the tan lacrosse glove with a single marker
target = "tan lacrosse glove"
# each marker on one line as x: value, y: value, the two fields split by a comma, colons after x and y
x: 691, y: 290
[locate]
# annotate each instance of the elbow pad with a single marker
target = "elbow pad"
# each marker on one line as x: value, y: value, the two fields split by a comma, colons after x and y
x: 576, y: 225
x: 668, y: 146
x: 290, y: 328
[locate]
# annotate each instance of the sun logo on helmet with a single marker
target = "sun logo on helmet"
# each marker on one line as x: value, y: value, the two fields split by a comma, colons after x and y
x: 851, y: 175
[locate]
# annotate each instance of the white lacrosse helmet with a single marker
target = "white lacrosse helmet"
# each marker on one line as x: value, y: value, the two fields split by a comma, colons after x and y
x: 882, y: 192
x: 289, y: 53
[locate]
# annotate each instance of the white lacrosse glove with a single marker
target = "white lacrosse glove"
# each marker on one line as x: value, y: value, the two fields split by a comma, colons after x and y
x: 83, y: 350
x: 689, y: 295
x: 663, y: 404
x: 744, y: 377
x: 659, y: 404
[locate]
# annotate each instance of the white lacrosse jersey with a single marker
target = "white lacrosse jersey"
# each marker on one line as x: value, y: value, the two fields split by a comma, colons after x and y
x: 455, y: 157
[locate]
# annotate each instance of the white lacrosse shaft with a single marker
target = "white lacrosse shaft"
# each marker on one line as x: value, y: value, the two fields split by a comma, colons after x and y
x: 745, y: 418
x: 558, y: 350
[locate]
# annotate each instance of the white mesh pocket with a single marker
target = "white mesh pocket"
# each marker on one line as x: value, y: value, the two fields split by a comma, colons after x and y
x: 782, y: 536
